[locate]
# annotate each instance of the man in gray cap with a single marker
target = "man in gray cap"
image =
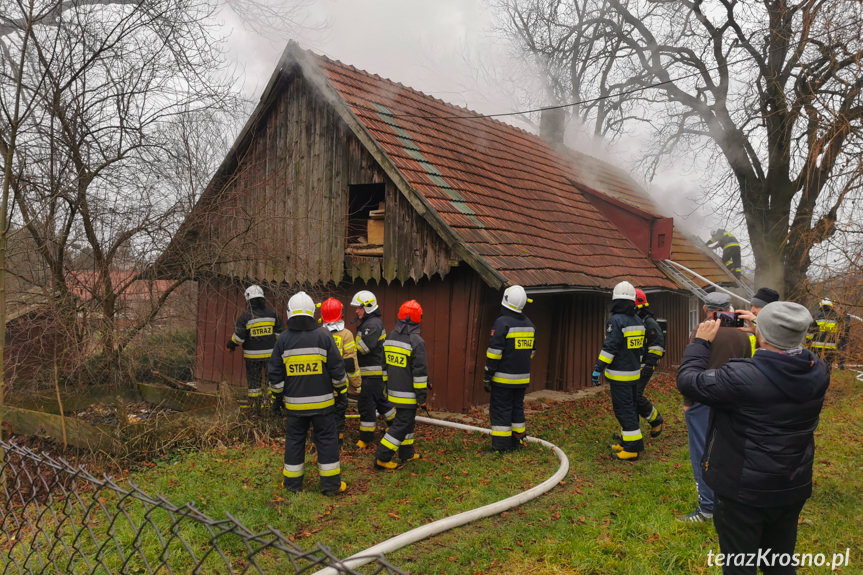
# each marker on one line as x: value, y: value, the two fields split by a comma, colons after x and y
x: 730, y: 343
x: 765, y: 412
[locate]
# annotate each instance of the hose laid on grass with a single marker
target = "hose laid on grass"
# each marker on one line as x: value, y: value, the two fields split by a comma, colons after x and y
x: 446, y: 523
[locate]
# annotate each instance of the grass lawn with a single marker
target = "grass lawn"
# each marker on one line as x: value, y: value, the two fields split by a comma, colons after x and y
x: 605, y: 517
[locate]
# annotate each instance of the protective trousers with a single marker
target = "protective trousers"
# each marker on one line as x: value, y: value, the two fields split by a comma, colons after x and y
x: 399, y: 438
x: 645, y: 407
x: 371, y: 402
x: 731, y: 258
x: 326, y: 440
x: 256, y: 371
x: 624, y: 399
x: 506, y: 410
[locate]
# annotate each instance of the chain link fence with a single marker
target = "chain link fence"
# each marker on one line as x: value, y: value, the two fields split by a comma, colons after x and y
x: 57, y: 518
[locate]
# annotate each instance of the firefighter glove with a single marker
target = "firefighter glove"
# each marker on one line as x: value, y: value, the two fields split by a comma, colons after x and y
x: 486, y: 381
x: 278, y: 402
x: 594, y: 377
x: 646, y: 372
x: 341, y: 400
x: 231, y: 345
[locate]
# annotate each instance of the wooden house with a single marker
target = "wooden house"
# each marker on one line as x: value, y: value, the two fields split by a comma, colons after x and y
x: 342, y: 180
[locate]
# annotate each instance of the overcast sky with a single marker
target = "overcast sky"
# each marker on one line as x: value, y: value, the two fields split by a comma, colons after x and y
x: 446, y: 48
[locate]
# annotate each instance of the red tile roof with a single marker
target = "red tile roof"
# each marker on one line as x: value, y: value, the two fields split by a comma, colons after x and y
x: 505, y: 193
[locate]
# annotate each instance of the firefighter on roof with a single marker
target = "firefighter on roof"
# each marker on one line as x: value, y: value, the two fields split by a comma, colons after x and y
x: 507, y: 370
x: 370, y: 356
x: 620, y: 360
x: 256, y: 330
x: 331, y: 316
x: 828, y: 334
x: 307, y: 373
x: 407, y: 386
x: 730, y: 250
x: 654, y: 349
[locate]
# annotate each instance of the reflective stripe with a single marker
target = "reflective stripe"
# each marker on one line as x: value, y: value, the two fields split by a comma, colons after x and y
x: 361, y: 346
x: 293, y: 470
x: 420, y: 384
x: 616, y: 375
x: 405, y: 397
x: 260, y: 322
x: 371, y: 370
x: 518, y: 427
x: 408, y: 441
x: 390, y: 442
x: 383, y: 335
x: 501, y: 430
x: 511, y: 378
x: 653, y: 414
x: 309, y: 402
x: 657, y: 349
x: 390, y: 414
x: 305, y: 351
x: 367, y: 425
x: 519, y: 330
x: 257, y: 353
x: 328, y: 469
x: 255, y: 392
x: 237, y: 339
x: 493, y: 353
x: 342, y: 390
x: 606, y: 357
x: 633, y: 435
x: 824, y: 345
x: 632, y: 330
x: 396, y: 343
x: 350, y: 346
x: 277, y: 386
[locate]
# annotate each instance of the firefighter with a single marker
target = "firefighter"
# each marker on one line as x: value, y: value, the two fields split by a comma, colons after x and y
x: 406, y: 377
x: 256, y: 330
x: 654, y: 349
x: 307, y: 373
x: 370, y: 357
x: 730, y: 250
x: 507, y: 370
x: 331, y: 316
x: 620, y: 360
x: 828, y: 334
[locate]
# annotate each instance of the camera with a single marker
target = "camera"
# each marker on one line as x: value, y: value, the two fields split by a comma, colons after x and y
x: 728, y: 319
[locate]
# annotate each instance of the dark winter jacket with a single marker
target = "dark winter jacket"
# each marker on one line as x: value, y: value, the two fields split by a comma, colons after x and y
x: 307, y: 367
x: 406, y: 366
x: 510, y: 349
x: 370, y: 345
x: 624, y: 342
x: 760, y: 443
x: 256, y: 330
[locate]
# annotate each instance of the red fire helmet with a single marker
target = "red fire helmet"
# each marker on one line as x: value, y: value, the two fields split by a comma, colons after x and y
x: 640, y: 298
x: 411, y: 310
x: 331, y: 310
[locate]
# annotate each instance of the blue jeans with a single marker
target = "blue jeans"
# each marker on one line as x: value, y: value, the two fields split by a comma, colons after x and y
x: 697, y: 421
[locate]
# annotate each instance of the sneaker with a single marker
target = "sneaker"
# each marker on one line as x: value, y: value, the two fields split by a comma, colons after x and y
x: 697, y: 516
x: 330, y: 492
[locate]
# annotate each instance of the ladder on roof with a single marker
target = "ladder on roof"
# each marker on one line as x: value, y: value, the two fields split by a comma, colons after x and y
x: 675, y: 272
x: 680, y: 279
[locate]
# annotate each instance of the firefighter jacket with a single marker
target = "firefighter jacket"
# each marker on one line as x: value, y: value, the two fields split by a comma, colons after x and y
x: 510, y: 349
x: 348, y: 348
x: 725, y: 241
x: 307, y: 367
x: 406, y: 371
x: 370, y: 345
x: 623, y: 346
x: 256, y: 330
x: 829, y: 331
x: 654, y: 342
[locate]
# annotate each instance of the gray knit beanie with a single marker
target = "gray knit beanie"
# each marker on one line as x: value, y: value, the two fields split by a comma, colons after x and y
x: 783, y: 324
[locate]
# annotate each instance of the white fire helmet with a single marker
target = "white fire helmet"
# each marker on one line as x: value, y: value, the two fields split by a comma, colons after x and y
x: 253, y: 291
x: 623, y: 290
x: 301, y: 303
x: 366, y: 299
x: 826, y: 302
x: 514, y: 298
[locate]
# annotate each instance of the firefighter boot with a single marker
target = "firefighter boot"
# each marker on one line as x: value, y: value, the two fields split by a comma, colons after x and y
x: 386, y: 465
x: 625, y: 455
x: 656, y: 426
x: 341, y: 489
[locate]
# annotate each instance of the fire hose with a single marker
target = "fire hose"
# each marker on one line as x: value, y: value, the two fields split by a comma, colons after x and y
x: 441, y: 525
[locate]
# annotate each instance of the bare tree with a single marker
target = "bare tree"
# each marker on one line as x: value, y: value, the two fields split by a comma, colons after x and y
x: 770, y: 90
x: 127, y: 103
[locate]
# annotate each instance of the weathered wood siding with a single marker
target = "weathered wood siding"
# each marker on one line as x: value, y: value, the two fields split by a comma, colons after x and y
x: 281, y: 215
